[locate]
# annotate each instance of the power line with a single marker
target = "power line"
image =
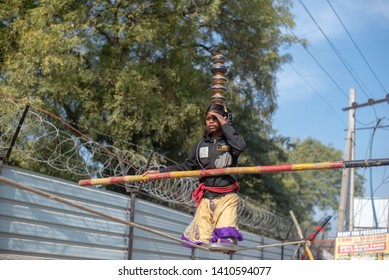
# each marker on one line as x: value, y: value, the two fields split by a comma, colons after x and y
x: 377, y: 125
x: 371, y: 127
x: 314, y: 58
x: 371, y: 176
x: 333, y: 47
x: 318, y: 63
x: 356, y: 46
x: 325, y: 100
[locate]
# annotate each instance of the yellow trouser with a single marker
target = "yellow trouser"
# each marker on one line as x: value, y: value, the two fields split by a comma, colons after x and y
x: 213, y: 216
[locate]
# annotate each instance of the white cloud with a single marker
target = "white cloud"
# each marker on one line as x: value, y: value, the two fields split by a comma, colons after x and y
x: 322, y: 15
x: 375, y: 11
x: 357, y: 16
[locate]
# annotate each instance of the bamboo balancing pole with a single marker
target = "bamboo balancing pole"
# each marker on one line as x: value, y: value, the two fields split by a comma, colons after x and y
x: 236, y: 170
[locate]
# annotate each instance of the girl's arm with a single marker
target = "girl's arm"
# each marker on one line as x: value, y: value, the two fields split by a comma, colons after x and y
x: 189, y: 164
x: 236, y: 141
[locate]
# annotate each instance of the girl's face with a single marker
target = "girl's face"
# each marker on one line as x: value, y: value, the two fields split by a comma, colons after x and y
x: 212, y: 123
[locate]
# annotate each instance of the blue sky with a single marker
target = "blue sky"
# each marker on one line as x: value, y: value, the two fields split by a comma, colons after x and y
x: 310, y: 102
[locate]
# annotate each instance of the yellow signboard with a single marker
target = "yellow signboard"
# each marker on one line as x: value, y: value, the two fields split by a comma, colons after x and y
x: 372, y: 244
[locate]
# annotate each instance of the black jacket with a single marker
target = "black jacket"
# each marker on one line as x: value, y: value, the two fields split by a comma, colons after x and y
x: 209, y: 154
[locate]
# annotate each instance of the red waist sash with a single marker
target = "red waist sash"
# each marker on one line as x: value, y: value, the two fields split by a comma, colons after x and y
x: 199, y: 191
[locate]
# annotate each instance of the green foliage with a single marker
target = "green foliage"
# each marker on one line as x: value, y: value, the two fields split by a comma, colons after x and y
x: 139, y: 71
x: 118, y: 66
x: 314, y: 190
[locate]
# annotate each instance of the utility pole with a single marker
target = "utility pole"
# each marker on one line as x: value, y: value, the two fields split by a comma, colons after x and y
x: 346, y: 199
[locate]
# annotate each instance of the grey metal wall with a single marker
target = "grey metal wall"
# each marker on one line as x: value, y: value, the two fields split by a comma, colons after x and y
x: 35, y: 226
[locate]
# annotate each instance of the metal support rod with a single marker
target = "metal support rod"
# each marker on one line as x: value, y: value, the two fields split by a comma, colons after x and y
x: 133, y: 191
x: 131, y: 209
x: 131, y: 229
x: 15, y: 136
x: 262, y: 249
x: 286, y: 238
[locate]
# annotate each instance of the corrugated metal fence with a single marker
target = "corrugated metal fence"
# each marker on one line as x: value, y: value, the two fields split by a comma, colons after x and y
x: 35, y: 226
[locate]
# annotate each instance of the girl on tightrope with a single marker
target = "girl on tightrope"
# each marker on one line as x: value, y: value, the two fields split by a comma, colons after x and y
x: 215, y: 221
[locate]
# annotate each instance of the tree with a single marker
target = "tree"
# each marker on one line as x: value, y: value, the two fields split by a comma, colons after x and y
x: 139, y: 70
x: 315, y: 190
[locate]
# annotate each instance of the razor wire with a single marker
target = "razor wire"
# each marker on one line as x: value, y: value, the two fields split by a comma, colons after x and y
x: 50, y: 142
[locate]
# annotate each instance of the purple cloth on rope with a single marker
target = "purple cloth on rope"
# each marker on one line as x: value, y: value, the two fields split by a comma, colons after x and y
x: 225, y: 232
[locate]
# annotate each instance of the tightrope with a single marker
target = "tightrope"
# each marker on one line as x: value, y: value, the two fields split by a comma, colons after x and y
x: 272, y: 245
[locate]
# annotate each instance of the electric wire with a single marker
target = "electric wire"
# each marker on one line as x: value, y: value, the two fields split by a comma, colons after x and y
x: 356, y: 46
x: 320, y: 65
x: 345, y: 64
x: 320, y: 95
x: 371, y: 176
x: 313, y: 57
x: 384, y: 181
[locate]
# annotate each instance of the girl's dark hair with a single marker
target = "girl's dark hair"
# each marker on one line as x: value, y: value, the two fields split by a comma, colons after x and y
x: 221, y: 109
